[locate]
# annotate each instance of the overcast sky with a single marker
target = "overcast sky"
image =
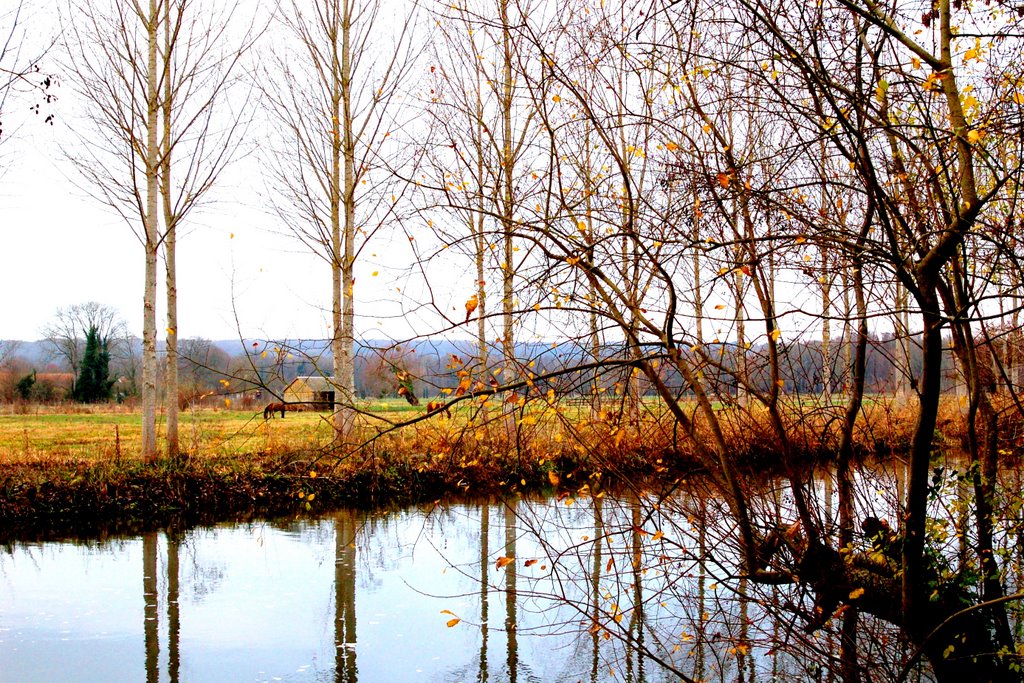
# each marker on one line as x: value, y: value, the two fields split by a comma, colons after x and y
x: 62, y: 247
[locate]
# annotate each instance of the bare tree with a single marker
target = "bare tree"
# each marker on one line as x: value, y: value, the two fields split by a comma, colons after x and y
x: 8, y: 350
x: 20, y: 65
x: 65, y: 334
x: 155, y: 80
x: 832, y: 130
x: 331, y: 93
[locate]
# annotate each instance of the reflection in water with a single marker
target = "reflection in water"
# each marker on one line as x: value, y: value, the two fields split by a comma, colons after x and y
x: 151, y: 613
x: 345, y: 597
x: 511, y: 637
x: 278, y: 602
x: 595, y: 589
x: 485, y: 556
x: 635, y: 633
x: 173, y: 615
x: 600, y: 589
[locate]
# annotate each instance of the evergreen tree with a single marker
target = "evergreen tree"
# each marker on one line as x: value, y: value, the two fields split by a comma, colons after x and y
x: 93, y: 384
x: 25, y: 385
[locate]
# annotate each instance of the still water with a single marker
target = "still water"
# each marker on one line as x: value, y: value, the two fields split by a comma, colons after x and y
x: 425, y: 594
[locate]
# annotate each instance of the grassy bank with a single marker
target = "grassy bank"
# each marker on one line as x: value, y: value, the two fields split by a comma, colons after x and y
x: 65, y: 468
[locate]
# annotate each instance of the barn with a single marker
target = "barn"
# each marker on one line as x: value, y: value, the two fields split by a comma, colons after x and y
x: 314, y: 393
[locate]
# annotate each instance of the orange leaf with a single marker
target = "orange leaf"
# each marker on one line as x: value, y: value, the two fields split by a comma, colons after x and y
x: 471, y: 305
x: 723, y: 179
x: 553, y: 478
x: 530, y: 563
x: 504, y: 561
x: 453, y: 622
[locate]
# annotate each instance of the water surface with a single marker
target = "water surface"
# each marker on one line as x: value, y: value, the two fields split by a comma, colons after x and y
x: 420, y: 595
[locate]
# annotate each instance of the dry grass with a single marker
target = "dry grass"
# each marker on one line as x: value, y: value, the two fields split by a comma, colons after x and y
x: 534, y: 433
x: 64, y: 466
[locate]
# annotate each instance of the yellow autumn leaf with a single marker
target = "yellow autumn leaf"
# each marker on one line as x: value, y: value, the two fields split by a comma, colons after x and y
x: 671, y: 146
x: 504, y: 561
x: 856, y: 593
x: 556, y: 98
x: 374, y: 273
x: 453, y: 622
x: 974, y: 136
x: 776, y: 333
x: 554, y: 478
x: 227, y: 403
x: 658, y: 535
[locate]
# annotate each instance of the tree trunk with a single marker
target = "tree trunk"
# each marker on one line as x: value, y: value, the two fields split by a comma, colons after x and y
x: 170, y: 256
x: 507, y: 198
x: 152, y: 244
x: 346, y: 370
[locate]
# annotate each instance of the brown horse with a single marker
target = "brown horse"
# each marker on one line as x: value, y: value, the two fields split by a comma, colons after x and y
x: 272, y: 408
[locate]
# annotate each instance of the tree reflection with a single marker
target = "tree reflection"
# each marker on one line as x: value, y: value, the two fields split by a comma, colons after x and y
x: 595, y: 588
x: 173, y: 614
x: 151, y: 613
x: 485, y: 530
x: 345, y: 597
x: 510, y: 591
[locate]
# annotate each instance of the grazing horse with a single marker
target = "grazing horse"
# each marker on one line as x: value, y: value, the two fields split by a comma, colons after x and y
x: 272, y: 408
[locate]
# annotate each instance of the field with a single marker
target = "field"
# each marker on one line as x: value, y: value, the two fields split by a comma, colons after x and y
x: 88, y: 433
x: 34, y: 434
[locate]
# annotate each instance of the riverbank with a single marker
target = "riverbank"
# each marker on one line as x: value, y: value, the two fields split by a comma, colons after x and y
x: 66, y: 471
x: 69, y: 496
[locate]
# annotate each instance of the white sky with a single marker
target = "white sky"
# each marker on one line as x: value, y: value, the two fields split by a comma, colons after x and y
x: 62, y: 247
